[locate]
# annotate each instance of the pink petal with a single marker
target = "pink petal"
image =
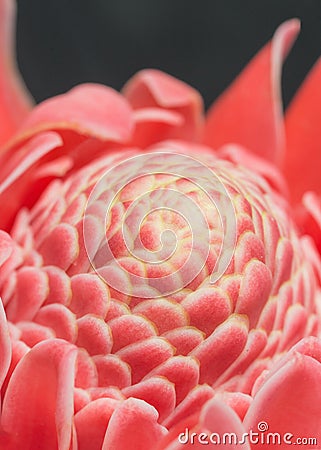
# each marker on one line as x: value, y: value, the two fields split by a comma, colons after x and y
x: 94, y: 335
x: 144, y: 356
x: 269, y: 314
x: 283, y: 258
x: 157, y: 391
x: 33, y: 333
x: 128, y: 329
x: 106, y: 392
x: 91, y: 423
x: 184, y: 339
x: 93, y: 240
x: 75, y: 210
x: 26, y: 157
x: 231, y: 285
x: 47, y: 212
x: 249, y: 113
x: 59, y: 286
x: 154, y: 125
x: 150, y: 89
x: 183, y: 371
x: 221, y: 348
x: 309, y: 217
x: 254, y: 291
x: 90, y: 295
x: 289, y: 401
x: 217, y: 417
x: 271, y: 239
x: 86, y: 373
x: 18, y: 167
x: 92, y: 110
x: 30, y: 293
x: 112, y: 371
x: 238, y: 401
x: 5, y: 346
x: 164, y: 314
x: 256, y: 343
x: 64, y: 237
x: 249, y: 247
x: 133, y: 426
x: 18, y: 350
x: 60, y: 319
x: 6, y: 247
x: 38, y: 404
x: 207, y: 308
x: 191, y: 404
x: 116, y: 309
x: 215, y: 420
x: 312, y: 254
x: 303, y: 157
x: 14, y: 99
x: 81, y: 399
x: 309, y: 346
x: 294, y: 325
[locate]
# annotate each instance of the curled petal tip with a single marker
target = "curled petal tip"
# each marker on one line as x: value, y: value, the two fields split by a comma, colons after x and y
x: 287, y: 32
x: 282, y: 42
x: 151, y: 89
x: 297, y: 414
x: 166, y: 90
x: 133, y: 425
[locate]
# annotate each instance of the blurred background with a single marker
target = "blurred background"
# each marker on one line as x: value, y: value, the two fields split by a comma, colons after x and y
x: 61, y: 43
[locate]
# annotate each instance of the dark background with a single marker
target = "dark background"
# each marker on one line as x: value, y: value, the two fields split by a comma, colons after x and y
x: 206, y: 43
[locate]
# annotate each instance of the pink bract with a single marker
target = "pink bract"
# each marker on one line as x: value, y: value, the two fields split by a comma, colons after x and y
x: 108, y: 339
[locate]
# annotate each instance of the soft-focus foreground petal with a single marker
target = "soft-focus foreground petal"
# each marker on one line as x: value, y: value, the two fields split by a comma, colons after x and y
x: 91, y: 423
x: 289, y: 401
x: 133, y: 426
x: 217, y: 417
x: 38, y: 404
x: 14, y: 99
x: 215, y: 420
x: 303, y: 134
x: 249, y: 113
x: 165, y: 107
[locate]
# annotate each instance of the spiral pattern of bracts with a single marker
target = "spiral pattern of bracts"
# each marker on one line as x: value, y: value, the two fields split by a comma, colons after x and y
x: 140, y: 270
x: 165, y: 219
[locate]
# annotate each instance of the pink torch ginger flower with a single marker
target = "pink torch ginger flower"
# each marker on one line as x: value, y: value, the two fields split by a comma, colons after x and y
x: 160, y: 270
